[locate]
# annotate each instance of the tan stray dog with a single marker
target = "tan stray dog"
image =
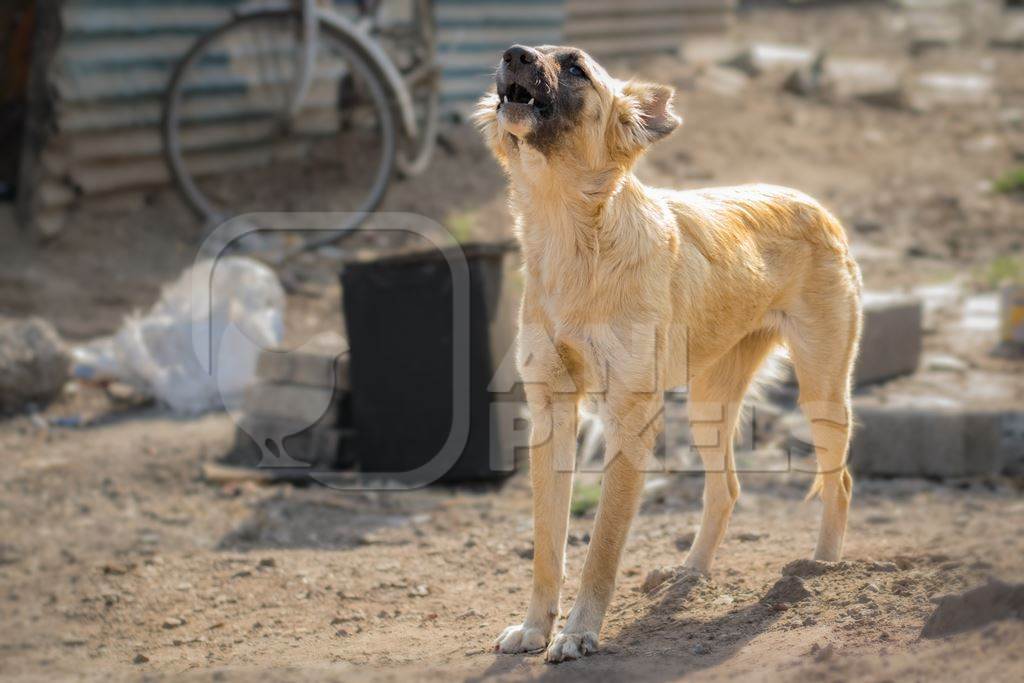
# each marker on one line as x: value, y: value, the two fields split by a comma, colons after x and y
x: 630, y: 290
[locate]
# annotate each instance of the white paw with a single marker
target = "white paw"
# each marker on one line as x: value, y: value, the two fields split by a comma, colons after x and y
x: 567, y: 646
x: 520, y: 638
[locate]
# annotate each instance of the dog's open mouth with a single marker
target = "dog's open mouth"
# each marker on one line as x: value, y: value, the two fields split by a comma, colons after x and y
x: 519, y: 97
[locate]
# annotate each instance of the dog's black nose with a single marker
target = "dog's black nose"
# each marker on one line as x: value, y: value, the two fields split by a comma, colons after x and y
x: 519, y: 54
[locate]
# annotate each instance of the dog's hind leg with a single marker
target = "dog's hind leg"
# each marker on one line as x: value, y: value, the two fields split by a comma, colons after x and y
x: 715, y: 402
x: 822, y: 338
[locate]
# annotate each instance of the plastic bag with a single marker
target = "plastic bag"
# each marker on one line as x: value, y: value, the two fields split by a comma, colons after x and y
x: 196, y: 349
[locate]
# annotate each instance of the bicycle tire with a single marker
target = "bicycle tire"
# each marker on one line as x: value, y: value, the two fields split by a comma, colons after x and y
x: 414, y: 157
x: 411, y: 165
x: 384, y: 108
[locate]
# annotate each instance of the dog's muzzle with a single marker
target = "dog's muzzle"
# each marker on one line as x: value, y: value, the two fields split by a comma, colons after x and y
x: 522, y: 83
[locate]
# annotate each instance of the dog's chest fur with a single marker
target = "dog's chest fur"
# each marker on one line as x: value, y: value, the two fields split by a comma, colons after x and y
x: 597, y: 274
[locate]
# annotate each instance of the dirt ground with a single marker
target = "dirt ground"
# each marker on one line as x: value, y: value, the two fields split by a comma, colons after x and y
x: 117, y: 560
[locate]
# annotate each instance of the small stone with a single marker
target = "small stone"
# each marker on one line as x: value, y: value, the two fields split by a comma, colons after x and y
x: 173, y: 622
x: 140, y: 659
x: 34, y: 363
x: 700, y: 649
x: 124, y: 393
x: 942, y: 362
x: 748, y: 537
x: 117, y: 568
x: 685, y: 541
x: 268, y: 562
x: 525, y: 552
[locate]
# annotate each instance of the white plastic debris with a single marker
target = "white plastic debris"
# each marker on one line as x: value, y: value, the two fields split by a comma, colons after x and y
x: 196, y: 349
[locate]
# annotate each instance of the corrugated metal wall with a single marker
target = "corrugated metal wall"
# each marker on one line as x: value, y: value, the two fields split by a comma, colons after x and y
x: 473, y: 33
x: 115, y: 57
x: 610, y: 28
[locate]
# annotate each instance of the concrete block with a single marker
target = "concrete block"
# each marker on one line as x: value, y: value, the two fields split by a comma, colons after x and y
x: 293, y: 425
x: 942, y: 89
x: 292, y: 402
x: 891, y: 340
x: 292, y: 444
x: 708, y: 50
x: 874, y: 81
x: 934, y: 438
x: 303, y: 368
x: 722, y: 81
x: 1010, y: 33
x: 772, y: 58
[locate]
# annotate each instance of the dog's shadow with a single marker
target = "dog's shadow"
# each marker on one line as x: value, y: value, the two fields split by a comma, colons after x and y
x: 662, y: 644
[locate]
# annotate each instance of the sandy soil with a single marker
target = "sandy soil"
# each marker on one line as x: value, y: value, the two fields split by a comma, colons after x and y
x: 118, y: 561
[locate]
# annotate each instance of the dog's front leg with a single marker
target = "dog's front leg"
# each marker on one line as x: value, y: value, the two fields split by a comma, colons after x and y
x: 552, y: 459
x: 630, y: 431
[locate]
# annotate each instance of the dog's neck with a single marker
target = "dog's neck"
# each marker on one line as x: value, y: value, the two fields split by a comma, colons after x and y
x: 569, y: 224
x: 575, y: 207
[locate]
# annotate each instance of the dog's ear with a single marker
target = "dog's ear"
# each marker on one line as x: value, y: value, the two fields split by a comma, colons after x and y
x: 644, y: 115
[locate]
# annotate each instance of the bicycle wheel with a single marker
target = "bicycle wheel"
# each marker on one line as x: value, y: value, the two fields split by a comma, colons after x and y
x: 233, y: 147
x: 423, y: 77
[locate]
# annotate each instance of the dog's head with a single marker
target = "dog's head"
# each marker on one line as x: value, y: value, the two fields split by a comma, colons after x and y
x: 561, y: 104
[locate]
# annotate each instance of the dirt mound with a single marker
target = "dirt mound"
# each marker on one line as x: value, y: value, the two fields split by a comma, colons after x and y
x: 807, y: 569
x: 982, y: 605
x: 669, y: 576
x: 810, y: 568
x: 788, y: 589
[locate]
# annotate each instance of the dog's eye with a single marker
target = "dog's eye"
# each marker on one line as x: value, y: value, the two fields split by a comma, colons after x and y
x: 575, y: 70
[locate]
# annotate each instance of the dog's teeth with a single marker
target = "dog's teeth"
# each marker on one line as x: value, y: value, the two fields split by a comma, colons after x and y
x: 531, y: 101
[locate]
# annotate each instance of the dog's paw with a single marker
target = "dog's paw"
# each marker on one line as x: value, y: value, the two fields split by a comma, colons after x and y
x: 520, y: 638
x: 567, y: 646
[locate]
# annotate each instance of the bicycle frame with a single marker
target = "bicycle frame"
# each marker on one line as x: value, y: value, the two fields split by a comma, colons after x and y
x: 358, y: 31
x: 310, y: 36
